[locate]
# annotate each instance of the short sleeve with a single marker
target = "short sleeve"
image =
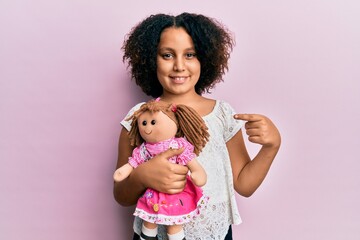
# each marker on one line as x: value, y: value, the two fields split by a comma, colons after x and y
x: 136, y: 159
x: 232, y: 125
x: 127, y: 123
x: 188, y: 154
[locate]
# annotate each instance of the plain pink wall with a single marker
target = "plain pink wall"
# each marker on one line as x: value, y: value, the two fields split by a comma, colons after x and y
x: 64, y: 89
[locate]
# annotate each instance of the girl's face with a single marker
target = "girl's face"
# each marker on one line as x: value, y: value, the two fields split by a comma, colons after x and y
x: 178, y: 68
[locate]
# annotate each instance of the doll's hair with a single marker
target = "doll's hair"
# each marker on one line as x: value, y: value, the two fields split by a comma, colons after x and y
x: 189, y: 123
x: 213, y: 44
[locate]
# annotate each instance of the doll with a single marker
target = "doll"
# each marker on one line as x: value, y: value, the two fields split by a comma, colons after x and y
x: 156, y: 127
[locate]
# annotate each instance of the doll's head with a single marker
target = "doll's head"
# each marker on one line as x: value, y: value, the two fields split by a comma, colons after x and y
x: 157, y: 121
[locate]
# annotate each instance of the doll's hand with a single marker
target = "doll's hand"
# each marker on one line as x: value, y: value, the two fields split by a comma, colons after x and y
x: 163, y: 176
x: 261, y: 130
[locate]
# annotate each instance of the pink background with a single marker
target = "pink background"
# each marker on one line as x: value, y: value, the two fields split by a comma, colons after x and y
x: 64, y: 90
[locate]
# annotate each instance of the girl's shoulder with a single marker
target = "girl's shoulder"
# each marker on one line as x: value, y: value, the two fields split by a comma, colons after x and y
x: 205, y: 106
x: 135, y: 108
x: 126, y: 122
x: 218, y: 106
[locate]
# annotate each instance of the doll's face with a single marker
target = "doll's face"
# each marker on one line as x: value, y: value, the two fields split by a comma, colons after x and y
x: 156, y: 127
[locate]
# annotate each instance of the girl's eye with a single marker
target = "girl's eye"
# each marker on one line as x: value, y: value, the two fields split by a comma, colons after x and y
x: 190, y: 55
x: 153, y: 122
x: 144, y: 123
x: 167, y: 55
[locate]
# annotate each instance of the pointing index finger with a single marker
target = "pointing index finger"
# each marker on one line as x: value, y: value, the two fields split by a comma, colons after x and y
x: 248, y: 117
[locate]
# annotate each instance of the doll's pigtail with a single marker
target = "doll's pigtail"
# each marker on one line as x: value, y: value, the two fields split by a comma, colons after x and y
x: 134, y: 133
x: 192, y: 127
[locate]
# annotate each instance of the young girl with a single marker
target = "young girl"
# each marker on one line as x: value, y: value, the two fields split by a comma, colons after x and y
x: 178, y: 58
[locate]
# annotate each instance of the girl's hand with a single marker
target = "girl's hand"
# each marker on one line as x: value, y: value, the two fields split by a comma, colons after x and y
x: 159, y: 174
x: 249, y: 173
x: 260, y: 130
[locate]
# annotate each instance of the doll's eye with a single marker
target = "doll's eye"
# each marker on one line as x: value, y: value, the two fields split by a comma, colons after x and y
x: 144, y: 123
x: 153, y: 122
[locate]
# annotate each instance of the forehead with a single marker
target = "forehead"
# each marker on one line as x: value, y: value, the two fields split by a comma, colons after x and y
x: 175, y: 37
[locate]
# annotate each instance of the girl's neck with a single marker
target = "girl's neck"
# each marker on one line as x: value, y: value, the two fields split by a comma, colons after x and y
x: 187, y: 99
x: 203, y: 106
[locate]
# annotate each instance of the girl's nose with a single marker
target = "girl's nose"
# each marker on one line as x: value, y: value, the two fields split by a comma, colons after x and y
x: 179, y: 65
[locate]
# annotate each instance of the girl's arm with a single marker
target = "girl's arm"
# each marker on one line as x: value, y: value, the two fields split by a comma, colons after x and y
x: 198, y: 174
x: 249, y: 174
x: 158, y: 173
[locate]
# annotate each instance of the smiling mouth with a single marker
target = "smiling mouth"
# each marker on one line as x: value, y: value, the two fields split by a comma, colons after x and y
x: 148, y: 133
x: 178, y: 79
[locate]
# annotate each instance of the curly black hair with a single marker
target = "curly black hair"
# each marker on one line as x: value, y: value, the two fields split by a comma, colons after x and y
x: 212, y: 41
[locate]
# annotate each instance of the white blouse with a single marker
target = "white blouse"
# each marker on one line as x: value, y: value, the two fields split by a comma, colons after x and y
x: 221, y: 210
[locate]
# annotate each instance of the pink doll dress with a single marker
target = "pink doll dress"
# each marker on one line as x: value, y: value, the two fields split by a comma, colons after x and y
x: 162, y: 208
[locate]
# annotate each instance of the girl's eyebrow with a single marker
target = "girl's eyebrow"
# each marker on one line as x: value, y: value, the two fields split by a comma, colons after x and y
x: 171, y: 49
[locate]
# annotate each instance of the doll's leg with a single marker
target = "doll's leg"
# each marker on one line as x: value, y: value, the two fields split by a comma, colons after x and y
x: 175, y: 232
x: 148, y: 231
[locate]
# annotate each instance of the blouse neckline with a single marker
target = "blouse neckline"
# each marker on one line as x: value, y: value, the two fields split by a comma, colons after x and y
x: 213, y: 111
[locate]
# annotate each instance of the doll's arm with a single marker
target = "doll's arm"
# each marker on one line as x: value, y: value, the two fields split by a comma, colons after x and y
x: 198, y: 174
x: 122, y: 172
x: 127, y: 191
